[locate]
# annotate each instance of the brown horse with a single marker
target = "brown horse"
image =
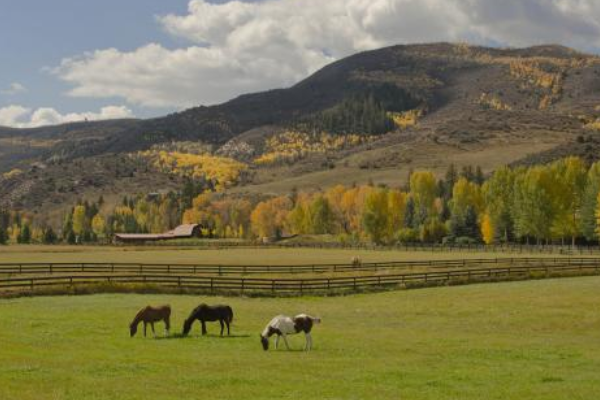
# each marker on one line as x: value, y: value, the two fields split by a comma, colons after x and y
x: 150, y: 315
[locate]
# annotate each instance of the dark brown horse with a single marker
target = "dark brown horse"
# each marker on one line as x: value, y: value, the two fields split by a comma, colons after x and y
x: 204, y: 313
x: 150, y: 315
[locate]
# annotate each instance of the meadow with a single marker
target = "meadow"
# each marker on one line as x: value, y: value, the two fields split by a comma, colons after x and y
x: 230, y: 256
x: 518, y: 340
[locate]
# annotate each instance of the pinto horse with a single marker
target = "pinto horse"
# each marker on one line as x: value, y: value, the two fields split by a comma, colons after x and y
x: 283, y: 325
x: 204, y: 313
x: 150, y: 315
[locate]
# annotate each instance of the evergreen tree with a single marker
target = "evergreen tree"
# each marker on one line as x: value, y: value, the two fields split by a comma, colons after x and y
x: 409, y: 215
x: 49, y: 236
x: 25, y: 236
x: 71, y: 238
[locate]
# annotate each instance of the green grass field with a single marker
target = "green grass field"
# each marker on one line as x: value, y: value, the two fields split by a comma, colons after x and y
x: 519, y: 340
x: 248, y: 256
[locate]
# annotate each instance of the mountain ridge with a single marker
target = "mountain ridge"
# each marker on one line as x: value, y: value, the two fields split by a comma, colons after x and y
x: 451, y: 103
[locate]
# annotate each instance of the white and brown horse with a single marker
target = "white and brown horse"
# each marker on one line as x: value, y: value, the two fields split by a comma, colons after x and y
x: 150, y: 315
x: 283, y: 325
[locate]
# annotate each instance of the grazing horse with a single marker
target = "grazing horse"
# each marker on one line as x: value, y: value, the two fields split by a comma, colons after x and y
x: 356, y: 261
x: 204, y: 312
x: 150, y: 315
x: 283, y: 325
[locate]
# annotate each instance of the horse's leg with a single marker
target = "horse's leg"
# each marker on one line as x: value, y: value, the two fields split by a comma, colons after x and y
x: 287, y: 346
x: 153, y: 331
x: 222, y: 326
x: 276, y: 342
x: 145, y: 326
x: 203, y: 327
x: 167, y: 325
x: 227, y: 323
x: 308, y: 342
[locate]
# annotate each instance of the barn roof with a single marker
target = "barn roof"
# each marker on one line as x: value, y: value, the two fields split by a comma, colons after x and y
x: 182, y: 231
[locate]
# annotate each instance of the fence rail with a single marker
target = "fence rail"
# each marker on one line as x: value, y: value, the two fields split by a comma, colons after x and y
x: 484, y: 248
x: 297, y: 286
x: 195, y: 269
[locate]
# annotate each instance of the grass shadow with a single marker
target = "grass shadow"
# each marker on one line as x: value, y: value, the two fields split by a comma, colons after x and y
x: 182, y: 336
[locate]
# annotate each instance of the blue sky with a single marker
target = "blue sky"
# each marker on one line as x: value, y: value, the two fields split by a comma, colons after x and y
x: 65, y: 60
x: 37, y: 34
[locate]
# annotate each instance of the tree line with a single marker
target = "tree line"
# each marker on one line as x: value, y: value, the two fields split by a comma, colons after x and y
x: 553, y: 203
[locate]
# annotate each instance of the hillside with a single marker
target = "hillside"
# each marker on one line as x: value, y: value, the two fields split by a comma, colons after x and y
x: 372, y: 116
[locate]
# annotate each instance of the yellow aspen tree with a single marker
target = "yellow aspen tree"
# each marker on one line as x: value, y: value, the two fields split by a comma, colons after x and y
x: 487, y: 229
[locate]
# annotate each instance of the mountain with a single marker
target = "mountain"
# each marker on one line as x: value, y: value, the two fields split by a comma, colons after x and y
x: 414, y: 106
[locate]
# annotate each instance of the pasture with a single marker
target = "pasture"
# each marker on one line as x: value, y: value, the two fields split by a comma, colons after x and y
x: 518, y: 340
x: 229, y: 256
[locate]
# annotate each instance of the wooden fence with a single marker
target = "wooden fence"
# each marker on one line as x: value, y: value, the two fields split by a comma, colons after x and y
x: 174, y: 268
x: 215, y: 284
x: 483, y: 248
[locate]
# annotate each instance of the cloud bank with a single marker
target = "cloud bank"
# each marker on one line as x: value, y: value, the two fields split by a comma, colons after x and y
x: 238, y: 47
x: 21, y: 117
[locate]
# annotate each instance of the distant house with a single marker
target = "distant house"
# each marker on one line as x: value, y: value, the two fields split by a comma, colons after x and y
x: 181, y: 232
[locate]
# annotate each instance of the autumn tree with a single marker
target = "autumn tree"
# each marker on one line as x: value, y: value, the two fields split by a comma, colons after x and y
x: 498, y: 195
x: 99, y: 226
x: 79, y: 220
x: 268, y: 217
x: 567, y: 192
x: 487, y: 229
x: 375, y: 216
x: 589, y: 202
x: 532, y: 209
x: 423, y: 190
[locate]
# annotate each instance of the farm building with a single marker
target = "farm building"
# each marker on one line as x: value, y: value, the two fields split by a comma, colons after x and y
x: 181, y: 232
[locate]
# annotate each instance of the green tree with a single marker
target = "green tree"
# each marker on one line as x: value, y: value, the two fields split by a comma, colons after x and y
x: 498, y: 194
x: 590, y: 202
x: 321, y: 216
x: 533, y: 203
x: 423, y: 189
x: 49, y: 236
x: 375, y: 215
x: 25, y: 236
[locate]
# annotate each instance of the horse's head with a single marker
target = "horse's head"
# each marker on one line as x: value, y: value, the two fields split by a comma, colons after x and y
x: 187, y: 326
x: 265, y: 342
x: 132, y: 329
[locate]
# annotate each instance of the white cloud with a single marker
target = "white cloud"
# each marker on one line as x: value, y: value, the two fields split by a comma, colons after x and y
x: 241, y: 47
x: 21, y: 117
x: 14, y: 88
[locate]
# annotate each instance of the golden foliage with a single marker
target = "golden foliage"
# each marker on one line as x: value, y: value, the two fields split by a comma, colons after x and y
x: 225, y: 171
x: 487, y: 229
x: 291, y: 146
x: 406, y: 119
x: 593, y: 125
x: 13, y: 173
x: 493, y: 102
